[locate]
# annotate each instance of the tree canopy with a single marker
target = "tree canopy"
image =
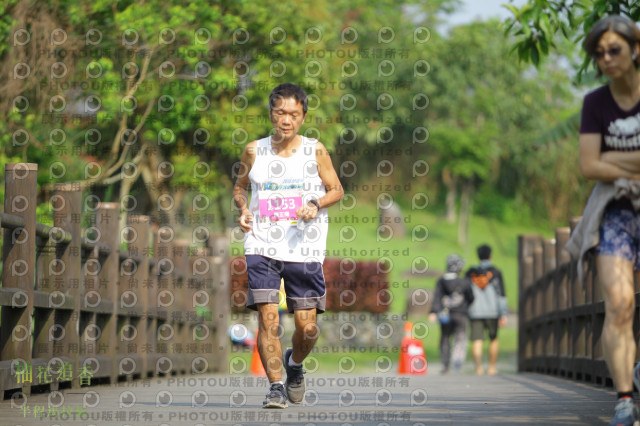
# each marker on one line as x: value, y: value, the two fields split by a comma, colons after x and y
x: 540, y: 25
x: 151, y: 103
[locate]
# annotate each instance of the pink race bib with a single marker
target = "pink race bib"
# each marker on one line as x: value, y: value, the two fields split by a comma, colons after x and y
x: 279, y: 205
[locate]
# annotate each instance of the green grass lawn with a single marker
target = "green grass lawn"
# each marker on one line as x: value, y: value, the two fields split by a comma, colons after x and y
x: 441, y: 242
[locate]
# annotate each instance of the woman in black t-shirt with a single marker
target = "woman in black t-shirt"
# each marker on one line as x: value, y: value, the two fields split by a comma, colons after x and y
x: 609, y: 150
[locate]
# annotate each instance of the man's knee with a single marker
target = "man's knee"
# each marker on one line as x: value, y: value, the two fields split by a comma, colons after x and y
x: 620, y: 311
x: 268, y: 311
x: 310, y: 330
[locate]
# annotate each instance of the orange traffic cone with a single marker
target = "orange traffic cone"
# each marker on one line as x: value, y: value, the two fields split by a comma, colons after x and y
x: 256, y: 363
x: 412, y: 358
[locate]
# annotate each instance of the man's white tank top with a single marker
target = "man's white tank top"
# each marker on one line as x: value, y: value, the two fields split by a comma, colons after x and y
x: 279, y: 186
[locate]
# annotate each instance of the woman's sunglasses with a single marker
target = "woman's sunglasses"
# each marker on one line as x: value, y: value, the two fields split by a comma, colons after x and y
x: 614, y: 51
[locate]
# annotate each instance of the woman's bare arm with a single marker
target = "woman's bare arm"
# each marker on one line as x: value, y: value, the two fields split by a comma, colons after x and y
x: 626, y: 160
x: 602, y: 167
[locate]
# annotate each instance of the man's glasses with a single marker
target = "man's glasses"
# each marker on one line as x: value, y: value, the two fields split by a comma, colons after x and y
x: 614, y: 51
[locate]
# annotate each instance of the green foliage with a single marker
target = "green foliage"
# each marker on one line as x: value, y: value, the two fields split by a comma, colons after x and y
x: 203, y: 312
x: 178, y: 83
x: 6, y: 24
x: 538, y: 25
x: 561, y: 131
x: 485, y: 114
x: 489, y: 114
x: 492, y: 204
x: 44, y: 214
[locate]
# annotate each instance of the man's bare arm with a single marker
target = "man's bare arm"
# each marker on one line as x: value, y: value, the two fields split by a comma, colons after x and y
x: 241, y: 187
x: 329, y: 177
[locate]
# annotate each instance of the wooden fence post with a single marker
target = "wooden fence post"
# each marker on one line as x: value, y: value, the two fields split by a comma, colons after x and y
x: 67, y: 213
x: 538, y: 259
x: 563, y: 296
x: 46, y: 332
x: 563, y: 291
x: 107, y: 216
x: 525, y: 307
x: 18, y: 272
x: 166, y: 275
x: 138, y: 244
x: 549, y: 254
x: 579, y: 294
x: 199, y: 331
x: 152, y: 306
x: 89, y: 320
x: 181, y: 259
x: 220, y: 304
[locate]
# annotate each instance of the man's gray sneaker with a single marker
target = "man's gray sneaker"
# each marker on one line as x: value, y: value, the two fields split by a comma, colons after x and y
x: 626, y: 413
x: 275, y: 398
x: 295, y: 380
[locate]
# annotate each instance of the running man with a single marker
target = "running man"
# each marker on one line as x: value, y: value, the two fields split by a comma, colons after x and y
x: 292, y: 179
x: 451, y: 299
x: 488, y: 310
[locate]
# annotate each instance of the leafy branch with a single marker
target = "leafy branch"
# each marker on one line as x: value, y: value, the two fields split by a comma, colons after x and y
x: 539, y: 24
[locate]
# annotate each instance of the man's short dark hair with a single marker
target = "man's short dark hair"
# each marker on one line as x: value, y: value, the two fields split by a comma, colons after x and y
x: 288, y: 90
x: 484, y: 252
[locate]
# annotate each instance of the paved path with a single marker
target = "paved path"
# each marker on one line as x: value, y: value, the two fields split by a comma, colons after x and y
x: 522, y: 399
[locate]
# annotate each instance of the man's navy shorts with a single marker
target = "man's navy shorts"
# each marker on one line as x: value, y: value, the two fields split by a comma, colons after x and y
x: 303, y: 283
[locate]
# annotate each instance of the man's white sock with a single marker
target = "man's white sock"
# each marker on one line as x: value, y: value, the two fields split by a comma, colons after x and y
x: 293, y: 364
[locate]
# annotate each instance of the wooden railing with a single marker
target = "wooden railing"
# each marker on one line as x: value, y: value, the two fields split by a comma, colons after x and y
x: 75, y: 305
x: 560, y: 323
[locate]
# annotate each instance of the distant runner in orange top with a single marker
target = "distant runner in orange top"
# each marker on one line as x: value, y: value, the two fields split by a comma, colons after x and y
x: 488, y: 310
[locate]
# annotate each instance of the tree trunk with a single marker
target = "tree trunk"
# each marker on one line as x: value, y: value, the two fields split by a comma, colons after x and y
x: 221, y: 203
x: 450, y: 182
x: 155, y: 190
x: 159, y: 190
x: 466, y: 207
x: 125, y: 189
